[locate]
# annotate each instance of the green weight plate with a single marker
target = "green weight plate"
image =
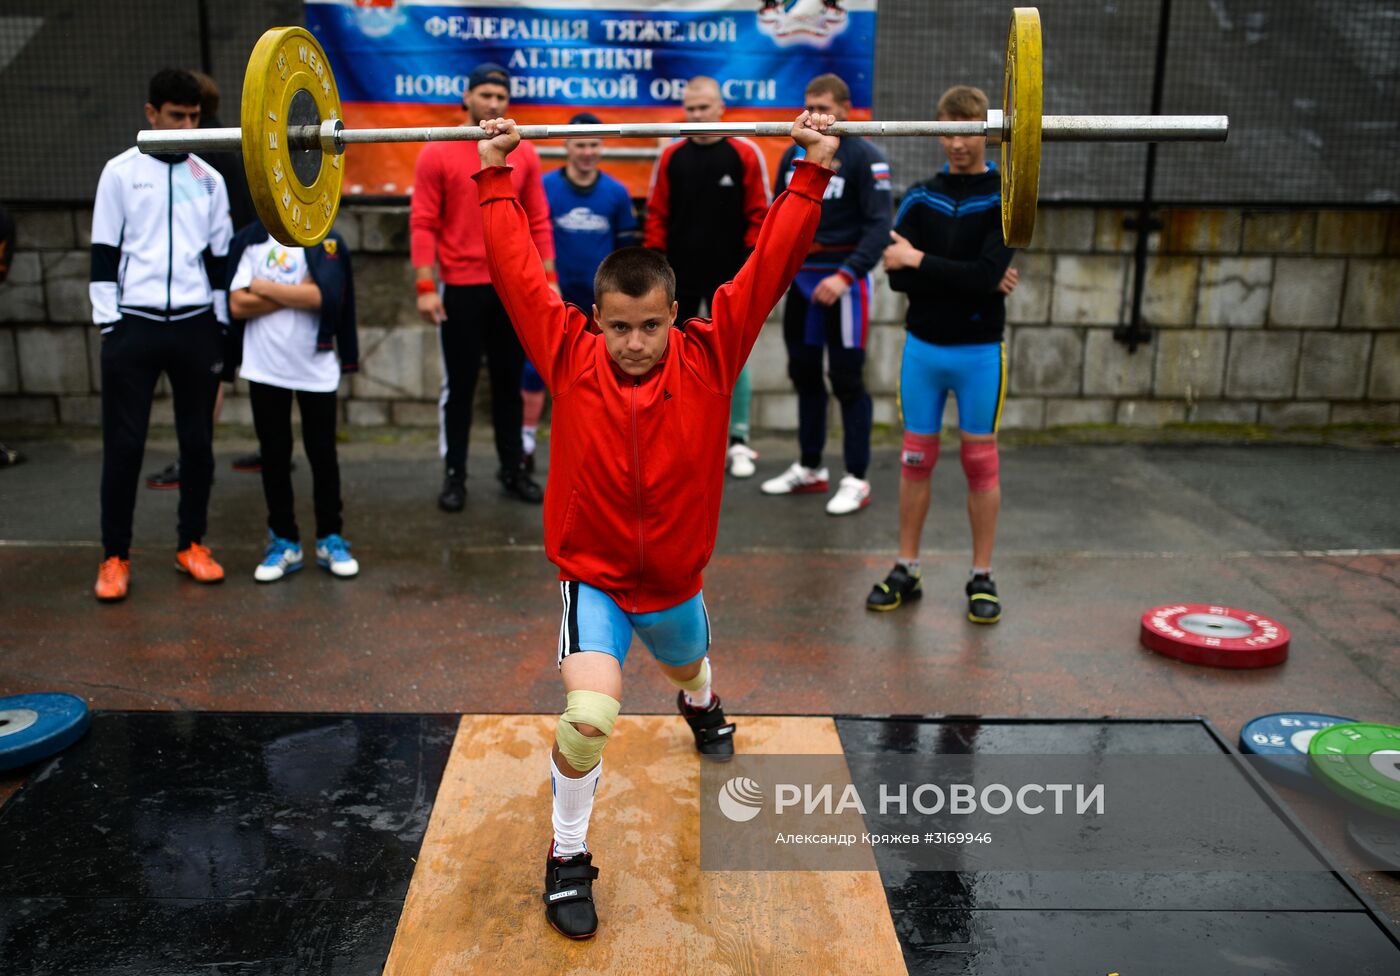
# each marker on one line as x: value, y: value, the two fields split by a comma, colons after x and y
x: 1361, y: 762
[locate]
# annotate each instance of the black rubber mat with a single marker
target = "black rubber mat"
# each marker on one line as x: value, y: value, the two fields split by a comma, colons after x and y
x: 178, y: 842
x: 1071, y: 922
x: 169, y: 842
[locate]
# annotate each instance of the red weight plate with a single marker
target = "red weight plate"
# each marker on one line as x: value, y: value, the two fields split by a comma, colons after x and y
x: 1221, y: 637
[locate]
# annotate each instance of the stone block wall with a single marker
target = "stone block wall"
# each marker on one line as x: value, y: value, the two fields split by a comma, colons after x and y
x: 1278, y: 318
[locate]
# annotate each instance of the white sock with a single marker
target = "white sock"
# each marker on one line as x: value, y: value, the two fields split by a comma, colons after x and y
x: 703, y: 697
x: 911, y: 566
x: 981, y: 571
x: 527, y: 439
x: 573, y: 805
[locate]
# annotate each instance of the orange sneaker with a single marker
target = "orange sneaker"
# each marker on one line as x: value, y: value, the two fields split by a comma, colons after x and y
x: 198, y: 561
x: 113, y: 578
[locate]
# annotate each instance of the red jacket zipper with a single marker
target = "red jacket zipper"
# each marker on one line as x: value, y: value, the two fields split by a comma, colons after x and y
x: 637, y: 481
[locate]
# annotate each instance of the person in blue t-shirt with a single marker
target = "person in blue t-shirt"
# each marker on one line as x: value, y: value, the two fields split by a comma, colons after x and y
x: 592, y: 216
x: 591, y: 213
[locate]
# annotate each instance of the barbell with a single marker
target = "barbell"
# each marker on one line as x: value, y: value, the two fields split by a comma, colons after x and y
x: 291, y: 135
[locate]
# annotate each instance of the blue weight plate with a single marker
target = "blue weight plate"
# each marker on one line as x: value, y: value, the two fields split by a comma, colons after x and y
x: 34, y: 727
x: 1281, y: 740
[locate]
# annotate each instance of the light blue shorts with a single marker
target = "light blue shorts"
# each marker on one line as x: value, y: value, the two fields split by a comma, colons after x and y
x: 976, y: 374
x: 592, y: 621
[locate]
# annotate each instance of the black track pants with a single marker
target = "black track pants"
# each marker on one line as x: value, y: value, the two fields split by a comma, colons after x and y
x: 272, y: 418
x: 477, y: 324
x: 134, y: 354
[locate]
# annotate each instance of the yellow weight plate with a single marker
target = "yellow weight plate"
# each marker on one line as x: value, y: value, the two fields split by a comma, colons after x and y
x: 289, y: 82
x: 1021, y: 103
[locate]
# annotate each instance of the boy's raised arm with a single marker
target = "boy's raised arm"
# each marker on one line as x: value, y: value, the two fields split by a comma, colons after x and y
x: 554, y: 335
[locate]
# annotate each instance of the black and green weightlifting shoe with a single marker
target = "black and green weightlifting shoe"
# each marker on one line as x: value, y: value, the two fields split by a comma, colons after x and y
x: 983, y: 604
x: 897, y: 589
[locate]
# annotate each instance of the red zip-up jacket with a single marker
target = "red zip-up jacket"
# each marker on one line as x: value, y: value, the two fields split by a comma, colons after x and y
x: 636, y: 464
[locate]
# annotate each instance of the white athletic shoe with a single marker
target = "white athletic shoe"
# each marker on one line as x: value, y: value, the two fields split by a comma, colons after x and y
x: 852, y: 495
x: 333, y: 554
x: 741, y: 458
x: 797, y: 480
x: 283, y: 556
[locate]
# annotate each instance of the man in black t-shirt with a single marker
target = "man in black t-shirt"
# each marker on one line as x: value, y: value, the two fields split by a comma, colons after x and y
x: 708, y: 198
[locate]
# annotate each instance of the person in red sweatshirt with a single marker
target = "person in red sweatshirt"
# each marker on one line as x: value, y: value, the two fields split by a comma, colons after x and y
x: 445, y: 231
x: 641, y: 416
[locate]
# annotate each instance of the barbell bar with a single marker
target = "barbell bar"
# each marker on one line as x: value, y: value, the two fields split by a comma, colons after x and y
x: 291, y: 135
x: 1054, y: 128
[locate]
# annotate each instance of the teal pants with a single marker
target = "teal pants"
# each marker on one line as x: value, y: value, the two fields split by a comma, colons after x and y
x: 739, y: 407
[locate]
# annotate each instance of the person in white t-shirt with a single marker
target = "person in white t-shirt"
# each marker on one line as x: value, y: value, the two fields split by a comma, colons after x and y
x: 298, y: 304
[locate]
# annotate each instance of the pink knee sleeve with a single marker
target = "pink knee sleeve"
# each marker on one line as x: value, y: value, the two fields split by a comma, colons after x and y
x: 980, y: 464
x: 532, y: 406
x: 919, y: 456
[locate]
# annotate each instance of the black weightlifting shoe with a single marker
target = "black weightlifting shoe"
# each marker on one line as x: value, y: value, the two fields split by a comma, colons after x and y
x: 983, y: 605
x: 568, y: 894
x: 166, y: 479
x: 453, y: 497
x: 252, y: 463
x: 520, y: 485
x: 897, y: 589
x: 714, y: 736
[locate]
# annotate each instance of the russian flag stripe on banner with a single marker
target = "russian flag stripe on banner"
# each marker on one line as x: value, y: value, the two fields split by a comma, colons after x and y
x: 406, y: 63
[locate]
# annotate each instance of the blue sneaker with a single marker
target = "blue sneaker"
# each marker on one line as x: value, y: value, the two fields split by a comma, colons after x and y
x: 333, y: 553
x: 283, y: 557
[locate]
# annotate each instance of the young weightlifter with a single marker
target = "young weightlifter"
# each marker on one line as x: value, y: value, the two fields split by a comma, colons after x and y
x: 949, y: 257
x: 636, y: 471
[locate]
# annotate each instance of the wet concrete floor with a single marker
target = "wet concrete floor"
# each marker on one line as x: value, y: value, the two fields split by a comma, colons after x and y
x: 459, y: 613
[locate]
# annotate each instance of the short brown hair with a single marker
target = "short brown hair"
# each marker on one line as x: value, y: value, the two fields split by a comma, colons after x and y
x: 963, y: 102
x: 208, y: 94
x: 635, y: 271
x: 829, y: 84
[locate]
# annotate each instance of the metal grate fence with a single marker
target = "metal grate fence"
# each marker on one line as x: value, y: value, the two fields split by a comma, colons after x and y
x: 1312, y: 88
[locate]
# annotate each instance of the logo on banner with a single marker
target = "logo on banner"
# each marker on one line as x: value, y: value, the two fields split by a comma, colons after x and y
x: 812, y: 23
x: 377, y: 18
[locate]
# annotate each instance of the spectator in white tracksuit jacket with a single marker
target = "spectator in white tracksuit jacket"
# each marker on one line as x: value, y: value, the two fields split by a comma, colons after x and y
x: 160, y: 237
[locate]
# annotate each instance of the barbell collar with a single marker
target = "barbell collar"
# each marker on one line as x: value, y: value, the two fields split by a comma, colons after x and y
x: 996, y: 122
x: 331, y: 135
x: 330, y: 140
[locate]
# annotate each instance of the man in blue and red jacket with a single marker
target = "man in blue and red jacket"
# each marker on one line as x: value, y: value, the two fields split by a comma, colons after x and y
x: 641, y: 413
x: 827, y: 314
